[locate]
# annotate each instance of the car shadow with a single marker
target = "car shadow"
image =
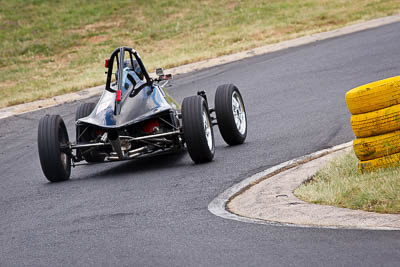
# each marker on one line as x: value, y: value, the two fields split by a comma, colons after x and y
x: 155, y: 163
x: 146, y: 164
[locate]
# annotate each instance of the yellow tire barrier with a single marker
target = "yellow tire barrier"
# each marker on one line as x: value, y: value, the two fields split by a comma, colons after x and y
x: 374, y: 96
x: 376, y: 122
x: 377, y: 146
x: 384, y: 162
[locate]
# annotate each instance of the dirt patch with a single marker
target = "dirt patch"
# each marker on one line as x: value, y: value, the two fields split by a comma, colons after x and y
x: 101, y: 25
x: 97, y: 39
x: 7, y: 84
x: 98, y: 26
x: 231, y: 5
x: 176, y: 16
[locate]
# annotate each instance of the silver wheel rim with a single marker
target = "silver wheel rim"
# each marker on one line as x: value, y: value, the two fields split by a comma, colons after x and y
x: 207, y: 130
x: 238, y: 113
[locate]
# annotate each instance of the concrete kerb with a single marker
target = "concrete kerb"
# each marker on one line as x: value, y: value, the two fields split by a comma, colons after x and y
x: 267, y: 198
x: 36, y: 105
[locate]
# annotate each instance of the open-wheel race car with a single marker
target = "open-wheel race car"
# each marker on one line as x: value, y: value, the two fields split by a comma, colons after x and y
x: 135, y: 117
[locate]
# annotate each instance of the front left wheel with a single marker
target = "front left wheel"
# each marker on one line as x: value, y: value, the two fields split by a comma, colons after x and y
x: 197, y: 129
x: 84, y: 110
x: 53, y: 148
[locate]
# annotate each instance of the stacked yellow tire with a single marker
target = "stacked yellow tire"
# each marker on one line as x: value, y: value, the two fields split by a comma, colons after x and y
x: 375, y: 109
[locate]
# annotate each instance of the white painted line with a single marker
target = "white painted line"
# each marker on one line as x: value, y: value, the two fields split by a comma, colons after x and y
x: 36, y: 105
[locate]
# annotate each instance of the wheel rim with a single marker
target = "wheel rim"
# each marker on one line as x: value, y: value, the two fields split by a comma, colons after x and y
x: 207, y: 130
x: 238, y: 113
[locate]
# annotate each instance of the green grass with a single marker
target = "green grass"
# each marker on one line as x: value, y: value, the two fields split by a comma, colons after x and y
x: 50, y: 47
x: 339, y: 183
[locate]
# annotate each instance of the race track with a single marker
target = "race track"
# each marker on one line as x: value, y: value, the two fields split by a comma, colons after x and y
x: 153, y: 212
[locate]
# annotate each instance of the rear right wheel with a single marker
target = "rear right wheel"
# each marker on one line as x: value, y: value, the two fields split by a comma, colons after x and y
x: 197, y: 129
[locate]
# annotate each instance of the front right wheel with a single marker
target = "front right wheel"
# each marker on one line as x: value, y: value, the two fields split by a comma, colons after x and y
x: 197, y: 129
x: 231, y: 114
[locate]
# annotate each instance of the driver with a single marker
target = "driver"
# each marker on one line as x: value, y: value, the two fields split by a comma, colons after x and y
x: 136, y: 68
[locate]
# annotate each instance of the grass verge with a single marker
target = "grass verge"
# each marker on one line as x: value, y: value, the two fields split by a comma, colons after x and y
x: 52, y: 47
x: 340, y: 184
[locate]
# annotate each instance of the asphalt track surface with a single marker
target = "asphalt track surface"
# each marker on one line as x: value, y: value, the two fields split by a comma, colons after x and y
x: 153, y: 212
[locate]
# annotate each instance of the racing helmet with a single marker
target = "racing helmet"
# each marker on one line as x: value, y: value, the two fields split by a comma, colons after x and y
x: 136, y: 68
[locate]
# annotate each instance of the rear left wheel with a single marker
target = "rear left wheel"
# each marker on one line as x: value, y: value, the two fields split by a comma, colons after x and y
x: 53, y: 148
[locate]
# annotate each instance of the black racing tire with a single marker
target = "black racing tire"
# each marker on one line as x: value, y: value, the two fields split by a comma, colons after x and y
x: 229, y: 129
x: 200, y: 141
x: 84, y: 110
x: 52, y: 134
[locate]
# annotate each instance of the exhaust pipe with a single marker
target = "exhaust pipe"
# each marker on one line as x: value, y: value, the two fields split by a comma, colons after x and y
x: 136, y: 152
x: 130, y: 154
x: 116, y: 144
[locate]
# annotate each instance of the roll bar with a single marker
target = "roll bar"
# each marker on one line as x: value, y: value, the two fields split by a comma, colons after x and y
x: 120, y: 62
